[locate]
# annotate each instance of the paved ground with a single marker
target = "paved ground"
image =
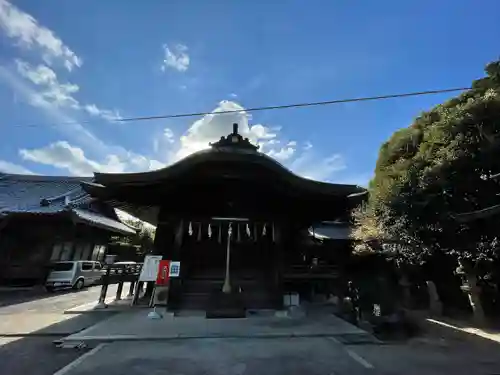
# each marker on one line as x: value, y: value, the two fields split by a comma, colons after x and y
x: 30, y: 321
x: 28, y: 325
x: 135, y: 325
x: 273, y: 356
x: 41, y: 301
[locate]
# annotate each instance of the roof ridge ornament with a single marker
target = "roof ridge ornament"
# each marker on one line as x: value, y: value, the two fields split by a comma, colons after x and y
x: 234, y: 141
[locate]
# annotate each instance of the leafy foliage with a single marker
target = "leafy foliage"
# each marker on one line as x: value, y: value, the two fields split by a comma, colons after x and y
x: 144, y: 237
x: 436, y: 169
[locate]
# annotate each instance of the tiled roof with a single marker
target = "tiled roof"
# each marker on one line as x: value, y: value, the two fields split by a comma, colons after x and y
x: 99, y: 220
x: 24, y: 193
x: 52, y: 195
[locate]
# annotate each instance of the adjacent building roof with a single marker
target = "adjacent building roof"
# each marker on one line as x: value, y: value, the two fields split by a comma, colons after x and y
x: 52, y: 195
x: 331, y: 231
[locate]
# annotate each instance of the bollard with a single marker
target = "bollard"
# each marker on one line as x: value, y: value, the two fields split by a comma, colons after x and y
x: 119, y: 291
x: 104, y: 290
x: 131, y: 289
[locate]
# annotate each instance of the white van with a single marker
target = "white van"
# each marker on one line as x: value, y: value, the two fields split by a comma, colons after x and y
x: 73, y: 274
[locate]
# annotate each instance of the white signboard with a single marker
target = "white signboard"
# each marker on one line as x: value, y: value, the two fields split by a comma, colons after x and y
x: 174, y: 269
x: 149, y: 270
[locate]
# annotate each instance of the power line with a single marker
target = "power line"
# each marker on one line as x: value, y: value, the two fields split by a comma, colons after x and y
x: 298, y: 105
x: 285, y: 106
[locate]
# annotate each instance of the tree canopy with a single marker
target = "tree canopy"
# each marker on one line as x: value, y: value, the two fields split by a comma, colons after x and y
x: 438, y: 168
x: 144, y: 237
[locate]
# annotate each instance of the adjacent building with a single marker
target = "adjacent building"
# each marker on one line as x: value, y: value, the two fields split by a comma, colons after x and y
x: 47, y: 218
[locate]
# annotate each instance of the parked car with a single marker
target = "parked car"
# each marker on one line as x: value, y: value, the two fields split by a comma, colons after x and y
x: 124, y: 262
x: 73, y: 274
x: 124, y: 265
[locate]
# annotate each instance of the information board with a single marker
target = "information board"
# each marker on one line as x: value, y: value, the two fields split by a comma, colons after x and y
x: 149, y: 270
x: 175, y: 269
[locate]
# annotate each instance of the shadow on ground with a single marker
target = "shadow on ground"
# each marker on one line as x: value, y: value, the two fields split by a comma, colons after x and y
x: 35, y: 352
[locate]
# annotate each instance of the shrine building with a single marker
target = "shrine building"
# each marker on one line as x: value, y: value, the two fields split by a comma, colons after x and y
x: 238, y: 221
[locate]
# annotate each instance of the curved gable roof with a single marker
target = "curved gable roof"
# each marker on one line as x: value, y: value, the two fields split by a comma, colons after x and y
x: 241, y: 152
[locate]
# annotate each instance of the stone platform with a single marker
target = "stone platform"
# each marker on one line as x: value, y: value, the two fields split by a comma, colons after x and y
x: 135, y: 326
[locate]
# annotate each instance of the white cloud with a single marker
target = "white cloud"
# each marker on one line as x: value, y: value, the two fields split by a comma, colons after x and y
x: 52, y: 92
x: 309, y: 165
x: 110, y: 115
x: 175, y: 58
x: 65, y: 123
x: 63, y: 155
x: 169, y: 135
x: 282, y: 154
x: 29, y: 34
x: 212, y: 126
x: 8, y: 167
x: 209, y: 128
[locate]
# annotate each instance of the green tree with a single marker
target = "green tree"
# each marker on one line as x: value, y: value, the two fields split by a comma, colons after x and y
x: 144, y: 237
x: 429, y: 174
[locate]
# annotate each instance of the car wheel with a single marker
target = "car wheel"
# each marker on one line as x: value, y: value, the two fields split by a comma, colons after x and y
x: 78, y: 285
x: 49, y: 289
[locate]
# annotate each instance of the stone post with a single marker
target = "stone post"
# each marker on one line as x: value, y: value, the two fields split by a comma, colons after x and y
x: 473, y: 291
x: 435, y: 304
x: 405, y: 285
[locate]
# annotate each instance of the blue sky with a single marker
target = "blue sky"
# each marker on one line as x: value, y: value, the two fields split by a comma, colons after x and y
x: 69, y: 69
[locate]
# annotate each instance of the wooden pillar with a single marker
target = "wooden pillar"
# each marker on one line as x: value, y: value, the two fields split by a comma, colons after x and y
x: 164, y: 237
x: 175, y: 284
x: 119, y: 291
x: 280, y: 233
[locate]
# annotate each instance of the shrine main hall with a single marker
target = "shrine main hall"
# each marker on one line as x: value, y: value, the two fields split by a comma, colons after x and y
x: 239, y: 222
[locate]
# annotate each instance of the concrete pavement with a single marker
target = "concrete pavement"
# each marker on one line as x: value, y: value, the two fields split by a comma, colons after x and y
x: 31, y: 320
x: 320, y: 344
x: 135, y: 325
x: 273, y: 356
x: 223, y: 356
x: 296, y: 355
x: 45, y: 315
x: 192, y: 345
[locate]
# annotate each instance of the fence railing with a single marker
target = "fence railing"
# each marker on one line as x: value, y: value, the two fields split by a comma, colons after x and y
x: 119, y: 274
x: 115, y: 273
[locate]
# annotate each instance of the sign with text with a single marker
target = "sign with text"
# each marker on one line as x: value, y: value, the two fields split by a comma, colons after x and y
x: 163, y: 272
x: 175, y: 269
x: 149, y: 270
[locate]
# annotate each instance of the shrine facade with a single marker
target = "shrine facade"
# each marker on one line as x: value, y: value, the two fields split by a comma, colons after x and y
x: 236, y: 219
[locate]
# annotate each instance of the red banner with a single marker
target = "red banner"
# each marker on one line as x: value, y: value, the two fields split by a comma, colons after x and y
x: 163, y: 273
